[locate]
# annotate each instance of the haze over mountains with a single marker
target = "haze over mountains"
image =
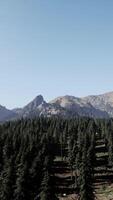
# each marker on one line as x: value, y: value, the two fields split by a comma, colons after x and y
x: 96, y: 106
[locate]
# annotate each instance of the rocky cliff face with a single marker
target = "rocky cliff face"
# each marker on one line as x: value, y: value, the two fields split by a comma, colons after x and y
x: 102, y: 102
x: 80, y: 106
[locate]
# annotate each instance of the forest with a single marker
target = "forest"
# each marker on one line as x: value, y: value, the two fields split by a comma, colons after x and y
x: 36, y: 154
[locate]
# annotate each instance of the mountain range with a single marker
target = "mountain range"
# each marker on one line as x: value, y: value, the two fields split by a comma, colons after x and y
x: 96, y: 106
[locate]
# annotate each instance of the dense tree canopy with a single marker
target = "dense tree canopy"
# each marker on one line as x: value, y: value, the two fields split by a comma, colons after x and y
x: 28, y: 148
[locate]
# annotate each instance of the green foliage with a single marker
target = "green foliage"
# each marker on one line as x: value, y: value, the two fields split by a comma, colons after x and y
x: 28, y: 148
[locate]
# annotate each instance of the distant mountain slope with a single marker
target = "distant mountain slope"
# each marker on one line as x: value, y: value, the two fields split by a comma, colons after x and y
x: 6, y: 114
x: 80, y: 106
x: 96, y: 106
x: 102, y: 102
x: 39, y: 107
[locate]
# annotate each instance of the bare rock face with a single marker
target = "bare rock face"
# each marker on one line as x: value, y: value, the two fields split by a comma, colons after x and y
x: 80, y: 106
x: 102, y: 102
x: 96, y: 106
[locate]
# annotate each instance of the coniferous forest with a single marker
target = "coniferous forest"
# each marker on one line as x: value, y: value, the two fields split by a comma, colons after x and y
x: 52, y: 158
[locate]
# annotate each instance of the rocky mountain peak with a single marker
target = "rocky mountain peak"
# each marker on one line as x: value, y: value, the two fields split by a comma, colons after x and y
x: 35, y: 103
x: 38, y: 100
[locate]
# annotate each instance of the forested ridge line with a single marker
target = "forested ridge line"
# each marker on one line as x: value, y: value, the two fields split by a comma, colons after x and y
x: 29, y: 147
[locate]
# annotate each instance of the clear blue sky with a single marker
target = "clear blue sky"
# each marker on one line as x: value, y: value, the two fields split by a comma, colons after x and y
x: 53, y: 48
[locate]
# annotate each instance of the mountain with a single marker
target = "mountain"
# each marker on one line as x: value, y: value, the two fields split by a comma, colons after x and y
x: 102, y: 102
x: 6, y: 114
x: 96, y: 106
x: 39, y: 107
x: 32, y: 107
x: 80, y: 106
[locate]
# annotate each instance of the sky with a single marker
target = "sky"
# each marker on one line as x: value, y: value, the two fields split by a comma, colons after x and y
x: 54, y: 48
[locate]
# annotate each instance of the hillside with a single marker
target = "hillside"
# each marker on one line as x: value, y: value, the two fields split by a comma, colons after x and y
x: 56, y: 159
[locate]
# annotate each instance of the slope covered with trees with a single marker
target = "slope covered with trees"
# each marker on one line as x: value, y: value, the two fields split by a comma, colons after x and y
x: 43, y: 159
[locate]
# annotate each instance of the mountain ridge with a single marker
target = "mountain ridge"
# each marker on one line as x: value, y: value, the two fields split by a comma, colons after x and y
x: 96, y: 106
